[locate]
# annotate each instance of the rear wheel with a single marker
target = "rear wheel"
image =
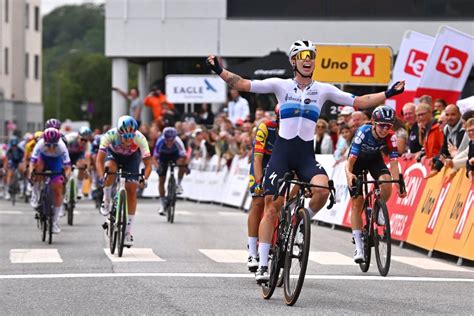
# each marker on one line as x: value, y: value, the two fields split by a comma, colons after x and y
x: 274, y: 270
x: 382, y: 238
x: 122, y: 221
x: 296, y: 259
x: 112, y: 229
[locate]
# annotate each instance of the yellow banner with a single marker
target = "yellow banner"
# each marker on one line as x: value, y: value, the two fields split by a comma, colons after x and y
x: 351, y: 64
x: 431, y: 211
x: 459, y: 219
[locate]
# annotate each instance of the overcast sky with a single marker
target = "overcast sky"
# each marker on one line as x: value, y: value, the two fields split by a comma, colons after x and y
x: 49, y: 5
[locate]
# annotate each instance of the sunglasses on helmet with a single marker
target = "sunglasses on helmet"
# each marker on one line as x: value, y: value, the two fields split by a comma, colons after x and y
x: 128, y: 136
x: 306, y: 53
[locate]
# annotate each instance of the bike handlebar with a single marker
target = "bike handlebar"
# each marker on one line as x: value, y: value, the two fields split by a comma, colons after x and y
x: 360, y: 181
x: 288, y: 179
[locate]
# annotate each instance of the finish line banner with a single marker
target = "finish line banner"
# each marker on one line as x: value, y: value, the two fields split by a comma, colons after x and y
x: 353, y: 64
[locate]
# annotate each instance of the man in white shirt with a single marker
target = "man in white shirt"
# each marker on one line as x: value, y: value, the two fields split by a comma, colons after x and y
x: 238, y: 107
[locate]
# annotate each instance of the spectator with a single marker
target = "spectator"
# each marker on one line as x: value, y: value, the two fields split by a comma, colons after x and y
x: 402, y: 136
x: 358, y: 119
x: 259, y: 115
x: 322, y: 141
x: 470, y: 155
x: 429, y: 135
x: 453, y: 135
x: 237, y: 107
x: 426, y: 99
x: 333, y: 132
x: 136, y: 104
x: 345, y: 115
x: 340, y: 154
x: 205, y: 115
x: 159, y: 105
x: 408, y: 112
x: 439, y: 106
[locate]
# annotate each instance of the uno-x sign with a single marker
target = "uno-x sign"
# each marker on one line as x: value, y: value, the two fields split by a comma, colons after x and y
x: 363, y: 65
x: 416, y: 62
x: 451, y: 61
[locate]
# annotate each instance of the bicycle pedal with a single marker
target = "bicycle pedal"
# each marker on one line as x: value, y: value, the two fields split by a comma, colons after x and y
x: 105, y: 226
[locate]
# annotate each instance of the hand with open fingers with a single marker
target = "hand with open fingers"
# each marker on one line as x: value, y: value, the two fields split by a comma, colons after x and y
x: 213, y: 63
x: 397, y: 88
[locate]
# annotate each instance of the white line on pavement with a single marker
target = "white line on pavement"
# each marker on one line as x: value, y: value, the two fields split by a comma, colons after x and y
x: 228, y: 275
x: 134, y: 254
x: 226, y: 255
x: 11, y: 212
x: 35, y: 256
x: 428, y: 264
x: 330, y: 258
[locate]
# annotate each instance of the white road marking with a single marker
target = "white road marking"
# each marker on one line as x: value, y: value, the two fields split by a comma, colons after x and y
x: 134, y: 254
x: 330, y: 258
x: 226, y: 255
x: 429, y: 264
x: 183, y: 213
x: 35, y: 256
x: 228, y: 275
x: 12, y: 212
x: 236, y: 213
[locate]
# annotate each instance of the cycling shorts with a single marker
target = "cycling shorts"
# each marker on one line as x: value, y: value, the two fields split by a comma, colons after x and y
x: 294, y: 154
x: 129, y: 163
x: 375, y: 165
x: 12, y: 164
x: 53, y: 164
x: 164, y: 160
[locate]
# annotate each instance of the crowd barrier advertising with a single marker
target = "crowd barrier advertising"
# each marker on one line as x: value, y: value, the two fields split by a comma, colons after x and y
x: 456, y: 235
x: 431, y: 211
x: 402, y: 211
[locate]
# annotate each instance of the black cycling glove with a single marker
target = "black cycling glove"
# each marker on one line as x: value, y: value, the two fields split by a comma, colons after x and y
x: 216, y: 67
x: 392, y: 91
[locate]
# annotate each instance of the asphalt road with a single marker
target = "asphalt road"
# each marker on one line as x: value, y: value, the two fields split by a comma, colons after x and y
x: 198, y: 266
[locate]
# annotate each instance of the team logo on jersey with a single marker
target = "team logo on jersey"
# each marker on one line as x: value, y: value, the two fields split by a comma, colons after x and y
x: 272, y: 177
x: 307, y: 101
x: 359, y: 137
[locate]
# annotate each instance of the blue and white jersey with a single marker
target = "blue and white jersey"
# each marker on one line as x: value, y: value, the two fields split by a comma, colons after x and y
x: 300, y: 109
x: 60, y: 151
x: 365, y: 144
x: 177, y: 148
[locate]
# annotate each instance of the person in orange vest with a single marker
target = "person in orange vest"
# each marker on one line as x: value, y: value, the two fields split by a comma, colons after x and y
x: 159, y: 104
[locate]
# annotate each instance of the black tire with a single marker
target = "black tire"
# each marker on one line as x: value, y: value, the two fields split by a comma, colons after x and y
x: 382, y: 239
x: 171, y: 199
x: 50, y: 226
x: 71, y: 203
x: 112, y: 230
x: 122, y: 221
x: 295, y: 264
x: 274, y: 267
x: 366, y: 239
x: 44, y: 214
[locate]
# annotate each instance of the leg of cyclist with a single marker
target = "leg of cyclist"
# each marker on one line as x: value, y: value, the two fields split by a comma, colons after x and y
x: 35, y: 191
x: 131, y: 188
x: 80, y: 164
x: 253, y: 222
x: 356, y: 222
x: 161, y: 170
x: 111, y: 164
x: 8, y: 180
x: 181, y: 171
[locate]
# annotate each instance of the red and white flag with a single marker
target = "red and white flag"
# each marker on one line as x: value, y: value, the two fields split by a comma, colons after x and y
x: 448, y: 66
x: 410, y: 65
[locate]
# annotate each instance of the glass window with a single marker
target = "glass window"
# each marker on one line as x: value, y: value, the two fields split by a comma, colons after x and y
x: 37, y: 65
x: 27, y: 64
x: 37, y: 18
x: 27, y: 15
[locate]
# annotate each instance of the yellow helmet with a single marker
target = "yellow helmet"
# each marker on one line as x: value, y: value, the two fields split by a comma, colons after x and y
x: 38, y: 134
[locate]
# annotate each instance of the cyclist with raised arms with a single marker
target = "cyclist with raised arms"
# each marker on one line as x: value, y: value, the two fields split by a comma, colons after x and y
x: 78, y: 145
x: 366, y: 154
x: 123, y: 146
x: 50, y: 153
x: 14, y: 158
x: 301, y: 100
x: 169, y: 147
x: 261, y: 152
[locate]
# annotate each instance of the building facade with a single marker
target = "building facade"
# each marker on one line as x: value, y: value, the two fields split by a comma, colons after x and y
x: 150, y: 32
x: 20, y: 66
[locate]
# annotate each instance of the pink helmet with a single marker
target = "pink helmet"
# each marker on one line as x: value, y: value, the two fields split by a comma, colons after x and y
x: 51, y: 135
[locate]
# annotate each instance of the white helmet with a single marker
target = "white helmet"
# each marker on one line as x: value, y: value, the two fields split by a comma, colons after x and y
x: 300, y: 46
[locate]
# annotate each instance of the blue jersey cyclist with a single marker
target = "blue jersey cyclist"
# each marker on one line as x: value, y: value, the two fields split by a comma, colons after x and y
x: 14, y: 158
x: 126, y: 147
x: 50, y: 153
x: 265, y: 138
x: 78, y: 145
x: 169, y: 148
x: 366, y: 154
x: 301, y: 100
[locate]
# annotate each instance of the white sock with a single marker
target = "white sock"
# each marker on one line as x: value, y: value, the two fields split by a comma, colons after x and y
x: 131, y: 218
x: 263, y: 251
x: 79, y: 186
x: 57, y: 211
x: 107, y: 193
x: 162, y: 201
x: 310, y: 212
x: 252, y: 244
x: 357, y: 234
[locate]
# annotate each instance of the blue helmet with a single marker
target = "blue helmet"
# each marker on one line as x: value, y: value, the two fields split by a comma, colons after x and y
x: 170, y: 133
x: 85, y: 132
x: 126, y: 125
x: 13, y: 141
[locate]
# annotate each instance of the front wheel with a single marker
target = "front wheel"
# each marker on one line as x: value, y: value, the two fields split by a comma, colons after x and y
x: 296, y: 259
x: 71, y: 203
x: 121, y: 221
x: 382, y: 238
x: 171, y: 199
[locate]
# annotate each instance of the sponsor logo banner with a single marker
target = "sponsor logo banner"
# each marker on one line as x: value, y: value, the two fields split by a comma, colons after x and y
x: 353, y: 64
x: 195, y: 89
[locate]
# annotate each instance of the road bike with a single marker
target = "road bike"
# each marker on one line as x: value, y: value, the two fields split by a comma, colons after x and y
x: 45, y: 208
x: 170, y: 203
x: 291, y: 240
x: 116, y: 224
x: 376, y: 231
x: 14, y: 187
x: 70, y: 196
